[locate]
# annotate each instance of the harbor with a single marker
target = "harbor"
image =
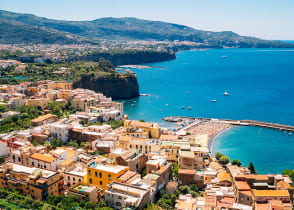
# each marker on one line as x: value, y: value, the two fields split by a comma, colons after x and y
x: 256, y: 123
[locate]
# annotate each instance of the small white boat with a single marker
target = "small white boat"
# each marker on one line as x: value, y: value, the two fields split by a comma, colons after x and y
x: 144, y: 94
x: 182, y: 107
x: 226, y: 93
x: 213, y: 100
x: 132, y: 104
x: 190, y: 108
x: 290, y: 133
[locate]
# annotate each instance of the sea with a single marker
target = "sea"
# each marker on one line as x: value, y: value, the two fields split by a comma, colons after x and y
x: 260, y: 83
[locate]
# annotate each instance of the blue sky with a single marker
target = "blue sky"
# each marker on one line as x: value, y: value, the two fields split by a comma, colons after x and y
x: 269, y: 19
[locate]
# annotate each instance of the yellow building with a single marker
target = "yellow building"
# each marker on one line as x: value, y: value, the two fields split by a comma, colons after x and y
x: 152, y: 128
x: 31, y: 181
x: 101, y: 175
x: 60, y: 85
x: 63, y: 94
x: 38, y: 102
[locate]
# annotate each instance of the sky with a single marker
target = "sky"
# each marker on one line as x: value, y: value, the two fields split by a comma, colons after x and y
x: 268, y: 19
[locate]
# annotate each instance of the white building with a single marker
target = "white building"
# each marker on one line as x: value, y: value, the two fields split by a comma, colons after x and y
x: 59, y: 131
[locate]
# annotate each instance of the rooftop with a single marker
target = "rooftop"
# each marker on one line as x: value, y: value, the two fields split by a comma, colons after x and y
x: 43, y: 157
x: 42, y: 118
x: 108, y: 168
x: 270, y: 193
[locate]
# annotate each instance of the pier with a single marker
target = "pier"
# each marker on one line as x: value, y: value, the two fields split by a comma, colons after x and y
x: 234, y: 122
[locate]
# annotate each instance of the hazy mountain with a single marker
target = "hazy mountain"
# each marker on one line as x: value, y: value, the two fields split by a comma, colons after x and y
x: 117, y: 28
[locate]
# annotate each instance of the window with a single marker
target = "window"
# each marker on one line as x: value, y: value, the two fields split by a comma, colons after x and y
x: 74, y: 179
x: 89, y: 172
x: 91, y: 181
x: 68, y: 178
x: 80, y: 180
x: 100, y: 182
x: 44, y: 166
x: 109, y: 177
x: 100, y: 175
x: 96, y: 173
x: 140, y: 146
x: 131, y: 146
x: 33, y: 163
x: 13, y: 157
x: 136, y: 146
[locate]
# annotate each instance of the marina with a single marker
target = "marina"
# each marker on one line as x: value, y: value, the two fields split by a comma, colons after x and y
x: 255, y: 123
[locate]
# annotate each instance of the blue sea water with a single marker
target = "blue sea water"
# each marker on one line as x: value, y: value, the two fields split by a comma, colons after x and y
x: 260, y: 86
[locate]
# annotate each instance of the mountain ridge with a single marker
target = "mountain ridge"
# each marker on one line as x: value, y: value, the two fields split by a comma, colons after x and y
x: 131, y: 28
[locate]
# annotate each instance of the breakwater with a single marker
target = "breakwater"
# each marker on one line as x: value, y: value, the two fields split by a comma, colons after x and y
x: 234, y: 122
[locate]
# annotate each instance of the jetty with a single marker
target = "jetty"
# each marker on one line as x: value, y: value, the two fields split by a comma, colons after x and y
x: 234, y: 122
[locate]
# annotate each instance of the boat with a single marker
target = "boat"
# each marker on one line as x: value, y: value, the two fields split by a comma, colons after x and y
x: 190, y: 108
x: 144, y: 94
x: 226, y: 93
x: 224, y: 56
x: 213, y: 100
x: 182, y: 107
x: 141, y: 113
x: 290, y: 133
x: 188, y: 92
x: 166, y: 104
x: 132, y: 104
x: 160, y: 109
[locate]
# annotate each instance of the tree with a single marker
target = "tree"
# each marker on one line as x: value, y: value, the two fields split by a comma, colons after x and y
x: 175, y: 169
x: 85, y: 145
x: 289, y: 172
x: 2, y: 108
x: 152, y: 206
x: 236, y: 162
x: 218, y: 155
x: 142, y: 120
x: 224, y: 160
x: 252, y: 168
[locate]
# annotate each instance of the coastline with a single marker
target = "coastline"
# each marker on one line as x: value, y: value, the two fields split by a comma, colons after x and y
x: 214, y: 138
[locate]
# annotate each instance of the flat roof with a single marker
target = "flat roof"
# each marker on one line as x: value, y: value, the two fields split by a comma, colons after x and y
x: 42, y: 118
x: 107, y: 168
x: 32, y: 170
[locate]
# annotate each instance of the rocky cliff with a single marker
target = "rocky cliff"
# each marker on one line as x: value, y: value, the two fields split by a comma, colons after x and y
x: 118, y: 87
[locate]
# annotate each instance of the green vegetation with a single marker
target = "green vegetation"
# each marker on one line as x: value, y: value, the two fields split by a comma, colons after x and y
x: 289, y: 172
x: 61, y: 109
x: 11, y: 199
x: 113, y: 123
x: 168, y: 200
x: 142, y: 120
x: 218, y: 155
x: 236, y: 162
x: 23, y: 121
x: 152, y: 206
x: 252, y: 168
x: 175, y: 171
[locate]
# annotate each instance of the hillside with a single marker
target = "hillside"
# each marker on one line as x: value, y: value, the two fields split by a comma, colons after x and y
x: 130, y: 29
x: 14, y: 32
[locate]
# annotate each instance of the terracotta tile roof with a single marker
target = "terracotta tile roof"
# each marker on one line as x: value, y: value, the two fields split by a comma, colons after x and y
x: 44, y: 158
x: 242, y: 185
x: 257, y: 177
x: 248, y: 193
x: 126, y: 176
x: 270, y: 193
x: 42, y: 118
x: 224, y: 176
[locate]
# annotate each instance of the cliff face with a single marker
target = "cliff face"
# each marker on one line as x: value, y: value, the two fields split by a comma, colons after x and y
x: 116, y: 88
x: 130, y: 57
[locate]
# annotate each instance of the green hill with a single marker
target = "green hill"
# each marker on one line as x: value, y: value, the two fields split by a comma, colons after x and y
x: 121, y: 29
